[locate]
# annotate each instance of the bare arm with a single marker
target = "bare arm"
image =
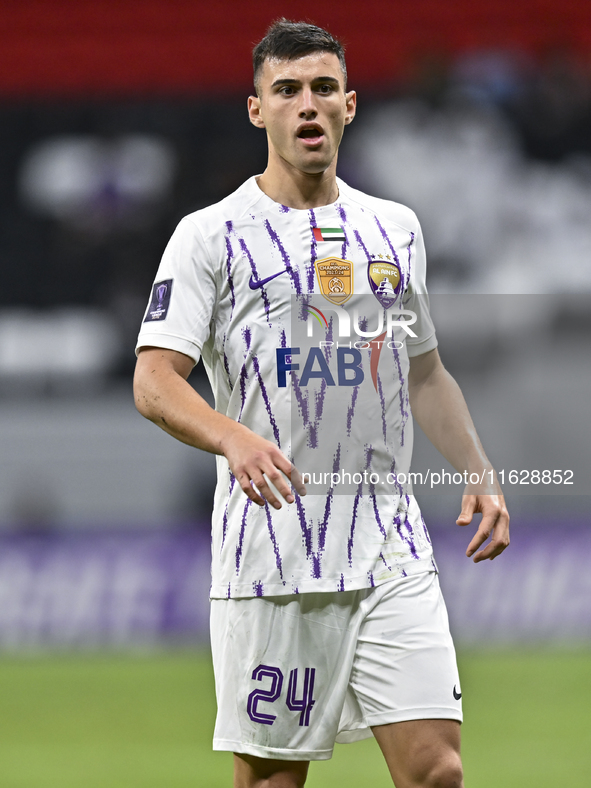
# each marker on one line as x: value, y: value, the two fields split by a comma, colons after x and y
x: 441, y: 411
x: 163, y: 396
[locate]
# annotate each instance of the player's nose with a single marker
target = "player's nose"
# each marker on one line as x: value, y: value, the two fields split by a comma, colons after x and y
x: 308, y: 105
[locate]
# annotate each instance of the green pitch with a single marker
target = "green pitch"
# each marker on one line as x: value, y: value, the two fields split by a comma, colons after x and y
x: 146, y: 722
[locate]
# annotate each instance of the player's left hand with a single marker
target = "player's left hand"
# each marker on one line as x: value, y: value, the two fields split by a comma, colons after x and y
x: 495, y: 523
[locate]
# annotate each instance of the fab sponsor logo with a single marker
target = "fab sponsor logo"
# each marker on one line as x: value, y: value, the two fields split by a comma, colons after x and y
x: 316, y: 361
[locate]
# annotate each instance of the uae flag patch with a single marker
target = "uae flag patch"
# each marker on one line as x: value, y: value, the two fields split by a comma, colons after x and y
x: 328, y: 234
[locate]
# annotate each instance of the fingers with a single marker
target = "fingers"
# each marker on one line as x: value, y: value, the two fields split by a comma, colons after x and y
x: 296, y: 480
x: 261, y: 480
x: 274, y: 481
x: 468, y: 509
x: 495, y: 524
x: 263, y: 471
x: 244, y: 481
x: 477, y: 540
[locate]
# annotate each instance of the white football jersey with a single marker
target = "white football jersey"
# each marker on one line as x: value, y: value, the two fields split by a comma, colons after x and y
x: 240, y: 283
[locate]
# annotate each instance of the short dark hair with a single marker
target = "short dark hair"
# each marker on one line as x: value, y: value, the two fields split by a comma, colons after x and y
x: 286, y: 40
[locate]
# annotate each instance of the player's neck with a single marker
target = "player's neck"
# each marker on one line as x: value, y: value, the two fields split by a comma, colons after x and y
x: 297, y: 189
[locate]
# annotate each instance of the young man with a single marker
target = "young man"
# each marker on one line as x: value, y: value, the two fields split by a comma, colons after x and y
x: 327, y: 619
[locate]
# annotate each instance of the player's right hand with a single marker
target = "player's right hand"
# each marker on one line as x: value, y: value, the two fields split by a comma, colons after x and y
x: 255, y: 462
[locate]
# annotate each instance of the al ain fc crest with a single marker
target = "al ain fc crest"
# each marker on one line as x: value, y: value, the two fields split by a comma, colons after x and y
x: 335, y: 279
x: 384, y: 280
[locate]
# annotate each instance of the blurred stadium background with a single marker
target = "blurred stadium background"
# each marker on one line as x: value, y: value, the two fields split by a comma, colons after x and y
x: 116, y: 119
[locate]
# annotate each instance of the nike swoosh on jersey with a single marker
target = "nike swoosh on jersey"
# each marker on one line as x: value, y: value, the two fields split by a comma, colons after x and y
x: 255, y: 284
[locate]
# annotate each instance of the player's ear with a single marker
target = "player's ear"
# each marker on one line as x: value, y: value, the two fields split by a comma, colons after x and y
x: 254, y: 112
x: 351, y: 104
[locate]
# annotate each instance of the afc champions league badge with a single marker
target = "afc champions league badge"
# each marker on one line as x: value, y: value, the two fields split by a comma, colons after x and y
x: 384, y: 280
x: 159, y: 302
x: 335, y: 279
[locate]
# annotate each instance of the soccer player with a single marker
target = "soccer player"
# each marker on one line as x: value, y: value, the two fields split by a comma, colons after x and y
x: 327, y: 621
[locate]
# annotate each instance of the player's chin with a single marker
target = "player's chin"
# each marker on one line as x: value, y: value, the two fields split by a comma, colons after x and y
x: 315, y: 164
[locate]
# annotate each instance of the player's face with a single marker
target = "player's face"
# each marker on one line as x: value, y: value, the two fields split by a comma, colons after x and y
x: 304, y: 109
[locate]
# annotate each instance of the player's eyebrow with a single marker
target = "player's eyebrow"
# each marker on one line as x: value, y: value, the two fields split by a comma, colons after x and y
x: 288, y: 81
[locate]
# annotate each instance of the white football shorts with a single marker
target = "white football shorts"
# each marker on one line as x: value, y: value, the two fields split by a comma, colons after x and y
x: 296, y: 673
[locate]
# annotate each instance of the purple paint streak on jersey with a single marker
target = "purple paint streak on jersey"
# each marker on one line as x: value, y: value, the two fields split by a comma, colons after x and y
x: 282, y: 339
x: 255, y: 273
x: 351, y: 409
x: 412, y: 238
x: 404, y: 573
x: 316, y: 568
x: 368, y: 455
x: 313, y: 255
x: 408, y: 539
x: 266, y: 400
x: 225, y: 519
x: 306, y: 529
x: 343, y: 215
x: 319, y: 397
x: 243, y: 379
x: 317, y: 558
x: 362, y: 245
x: 341, y: 583
x: 303, y: 399
x: 241, y: 536
x: 386, y: 238
x: 355, y: 392
x: 247, y: 336
x: 293, y: 273
x: 257, y: 588
x: 386, y: 564
x: 403, y: 398
x: 273, y: 540
x: 227, y: 364
x: 383, y: 404
x: 229, y: 256
x: 229, y: 592
x: 352, y: 531
x: 304, y: 302
x: 372, y: 583
x: 392, y: 469
x: 376, y: 511
x: 284, y: 209
x: 319, y: 407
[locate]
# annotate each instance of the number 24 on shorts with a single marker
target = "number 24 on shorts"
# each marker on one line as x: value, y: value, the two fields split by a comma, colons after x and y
x: 304, y: 705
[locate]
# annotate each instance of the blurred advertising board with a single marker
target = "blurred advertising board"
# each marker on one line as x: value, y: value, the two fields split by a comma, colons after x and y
x: 136, y: 589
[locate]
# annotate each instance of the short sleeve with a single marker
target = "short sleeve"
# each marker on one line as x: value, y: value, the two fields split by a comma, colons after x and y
x: 183, y: 296
x: 417, y: 300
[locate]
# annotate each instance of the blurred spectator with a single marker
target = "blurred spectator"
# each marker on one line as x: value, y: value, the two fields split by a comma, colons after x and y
x: 497, y: 219
x: 98, y: 185
x: 553, y: 115
x: 489, y: 76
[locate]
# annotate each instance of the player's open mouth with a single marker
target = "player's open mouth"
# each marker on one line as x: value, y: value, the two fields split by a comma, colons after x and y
x: 311, y: 134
